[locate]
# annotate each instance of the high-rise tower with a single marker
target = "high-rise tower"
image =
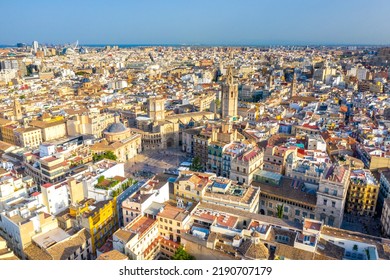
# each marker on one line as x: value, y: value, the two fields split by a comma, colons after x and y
x: 229, y: 96
x: 35, y: 46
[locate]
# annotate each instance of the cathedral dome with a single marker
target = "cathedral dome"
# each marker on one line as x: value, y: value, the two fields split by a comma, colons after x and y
x: 116, y: 128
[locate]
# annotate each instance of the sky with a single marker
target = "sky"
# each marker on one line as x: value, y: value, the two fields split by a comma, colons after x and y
x: 213, y: 22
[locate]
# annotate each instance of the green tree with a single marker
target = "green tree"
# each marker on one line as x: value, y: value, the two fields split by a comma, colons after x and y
x: 100, y: 179
x: 107, y: 155
x: 110, y: 155
x: 97, y: 157
x: 196, y: 165
x: 279, y: 209
x: 113, y: 183
x: 181, y: 254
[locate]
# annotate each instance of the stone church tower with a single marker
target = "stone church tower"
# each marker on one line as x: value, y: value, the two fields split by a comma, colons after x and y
x: 293, y: 89
x: 229, y: 96
x: 156, y: 108
x: 17, y: 110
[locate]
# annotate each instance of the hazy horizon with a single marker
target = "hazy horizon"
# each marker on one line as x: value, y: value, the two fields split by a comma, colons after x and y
x: 123, y: 45
x: 174, y: 22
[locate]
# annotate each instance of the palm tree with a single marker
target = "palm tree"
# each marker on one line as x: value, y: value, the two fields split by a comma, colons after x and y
x: 279, y: 209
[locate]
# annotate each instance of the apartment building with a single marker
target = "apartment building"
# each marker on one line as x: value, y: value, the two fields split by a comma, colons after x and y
x: 363, y: 193
x: 4, y: 123
x: 201, y: 147
x: 229, y: 153
x: 384, y: 189
x: 316, y: 142
x: 135, y: 238
x: 22, y: 219
x: 385, y: 218
x: 12, y: 186
x: 244, y: 166
x: 274, y: 157
x: 150, y: 195
x: 53, y: 128
x: 221, y: 233
x: 190, y: 186
x: 8, y: 133
x: 214, y: 162
x: 57, y: 244
x: 99, y: 218
x: 141, y: 240
x: 102, y: 179
x: 49, y: 169
x: 306, y: 129
x: 309, y: 169
x: 29, y: 137
x: 332, y: 195
x: 187, y: 139
x: 172, y: 222
x: 55, y: 197
x: 223, y: 191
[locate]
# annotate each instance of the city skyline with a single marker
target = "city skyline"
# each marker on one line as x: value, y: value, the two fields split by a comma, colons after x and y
x: 201, y: 23
x: 194, y: 130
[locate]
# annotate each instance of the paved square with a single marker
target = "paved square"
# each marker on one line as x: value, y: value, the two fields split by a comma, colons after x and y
x: 154, y: 161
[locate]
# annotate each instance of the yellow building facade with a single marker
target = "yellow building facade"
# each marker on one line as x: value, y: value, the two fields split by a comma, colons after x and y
x: 99, y: 218
x: 362, y: 193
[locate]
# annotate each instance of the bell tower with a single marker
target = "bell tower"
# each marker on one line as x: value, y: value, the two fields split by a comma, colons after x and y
x: 17, y: 109
x: 293, y: 90
x: 156, y: 108
x: 229, y: 95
